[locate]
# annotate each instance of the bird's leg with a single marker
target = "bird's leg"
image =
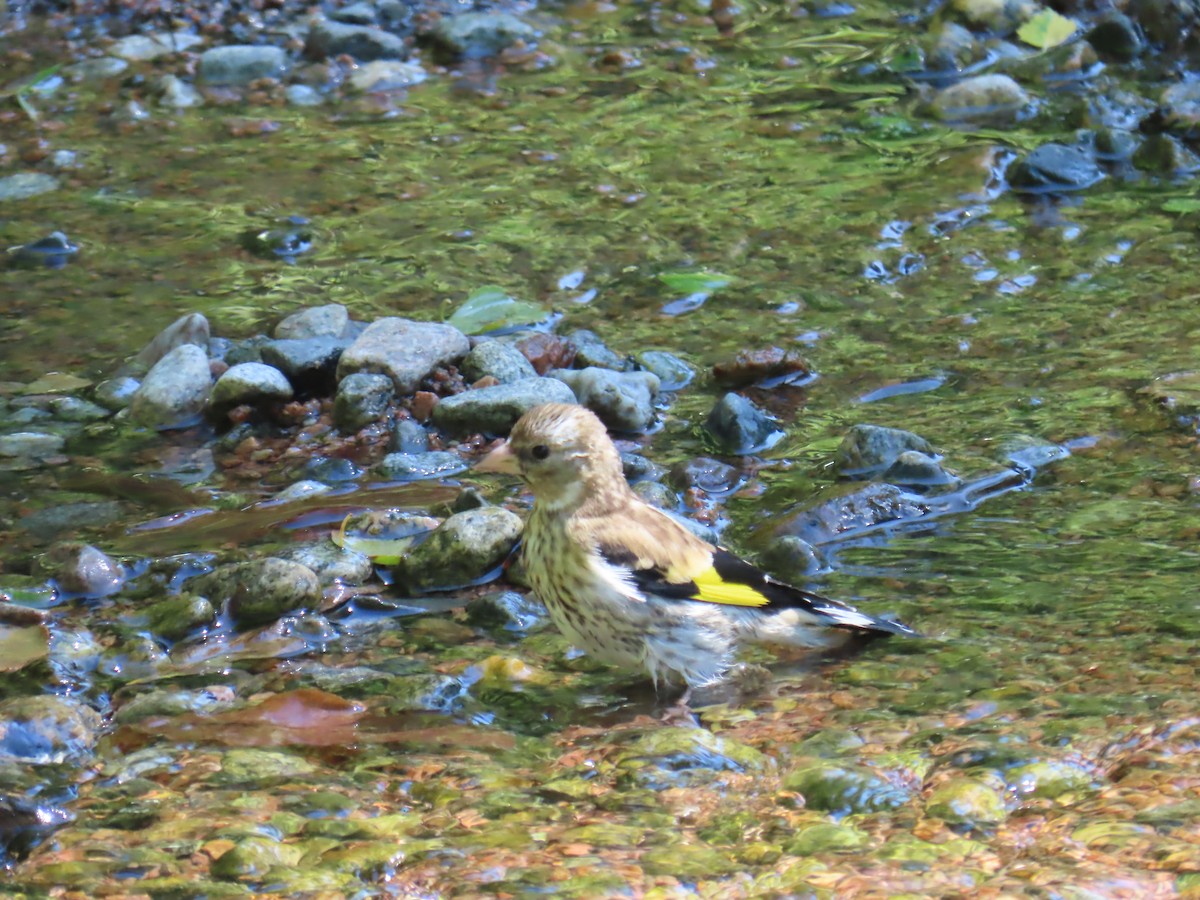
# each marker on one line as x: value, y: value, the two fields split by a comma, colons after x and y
x: 679, y: 712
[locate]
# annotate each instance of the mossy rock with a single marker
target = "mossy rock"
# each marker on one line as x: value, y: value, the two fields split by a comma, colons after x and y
x: 965, y: 801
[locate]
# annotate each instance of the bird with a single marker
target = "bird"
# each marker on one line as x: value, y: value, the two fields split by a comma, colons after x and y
x: 628, y: 584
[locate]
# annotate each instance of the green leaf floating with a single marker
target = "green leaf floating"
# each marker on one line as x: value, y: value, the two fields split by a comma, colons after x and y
x: 694, y: 282
x: 490, y: 308
x: 1047, y: 29
x: 1182, y: 205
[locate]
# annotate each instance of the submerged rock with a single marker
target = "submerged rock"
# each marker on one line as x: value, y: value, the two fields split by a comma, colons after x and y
x: 79, y: 568
x: 965, y: 801
x: 175, y: 391
x: 988, y: 98
x: 842, y: 788
x: 740, y: 427
x: 1055, y: 168
x: 175, y: 617
x: 46, y: 729
x: 364, y: 42
x: 872, y: 448
x: 590, y: 350
x: 31, y: 445
x: 261, y: 590
x: 24, y: 185
x: 673, y: 373
x: 465, y: 548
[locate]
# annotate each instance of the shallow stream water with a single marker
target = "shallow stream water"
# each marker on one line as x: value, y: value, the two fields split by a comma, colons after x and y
x: 1042, y: 740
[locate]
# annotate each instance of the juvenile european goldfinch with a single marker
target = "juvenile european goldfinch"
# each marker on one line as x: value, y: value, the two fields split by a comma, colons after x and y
x: 631, y: 586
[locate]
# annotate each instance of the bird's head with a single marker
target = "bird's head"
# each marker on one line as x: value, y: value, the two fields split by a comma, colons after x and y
x: 563, y: 453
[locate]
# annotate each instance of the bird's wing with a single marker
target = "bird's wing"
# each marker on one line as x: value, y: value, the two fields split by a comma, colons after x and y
x: 666, y: 560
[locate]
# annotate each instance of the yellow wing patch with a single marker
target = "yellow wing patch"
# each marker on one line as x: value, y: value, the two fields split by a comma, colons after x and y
x: 712, y: 588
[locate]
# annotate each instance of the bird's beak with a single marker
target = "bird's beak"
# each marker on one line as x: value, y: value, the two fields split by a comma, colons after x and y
x: 502, y: 460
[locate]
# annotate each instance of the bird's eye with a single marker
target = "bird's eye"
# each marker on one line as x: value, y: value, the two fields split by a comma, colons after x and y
x: 541, y: 451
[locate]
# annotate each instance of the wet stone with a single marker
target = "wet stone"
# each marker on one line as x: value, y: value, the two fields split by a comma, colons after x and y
x: 673, y: 373
x: 302, y: 95
x: 53, y: 520
x: 31, y: 445
x: 1055, y: 168
x: 246, y: 350
x: 465, y: 548
x: 985, y: 98
x: 175, y: 617
x: 656, y: 494
x: 46, y: 729
x: 188, y: 329
x: 176, y: 93
x: 1050, y: 779
x: 500, y: 360
x: 1117, y: 38
x: 360, y: 400
x: 116, y: 393
x: 51, y: 252
x: 478, y: 34
x: 175, y: 391
x: 331, y: 320
x: 676, y: 757
x: 624, y: 401
x: 419, y: 466
x: 638, y: 468
x: 408, y: 436
x: 308, y: 363
x: 331, y: 563
x: 386, y: 75
x: 913, y: 467
x: 253, y: 857
x: 302, y: 490
x: 253, y: 384
x: 328, y: 38
x: 261, y: 768
x: 874, y: 504
x: 872, y: 448
x: 1165, y: 154
x: 82, y: 569
x: 767, y: 365
x: 73, y: 409
x: 827, y: 837
x: 262, y: 590
x: 846, y: 788
x: 510, y: 610
x: 24, y: 185
x: 404, y: 350
x: 709, y: 475
x: 332, y: 468
x: 740, y: 427
x: 590, y: 350
x: 791, y: 559
x: 965, y: 801
x: 242, y: 63
x: 494, y: 410
x: 142, y: 47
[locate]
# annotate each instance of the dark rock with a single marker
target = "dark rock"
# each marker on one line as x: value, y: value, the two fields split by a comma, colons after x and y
x: 31, y: 445
x: 332, y: 469
x: 1055, y: 168
x: 1117, y: 38
x: 912, y: 467
x: 871, y: 506
x: 740, y: 427
x: 364, y: 42
x: 246, y: 350
x: 52, y: 252
x: 309, y: 364
x: 1165, y: 154
x: 116, y: 393
x: 673, y: 373
x: 791, y: 559
x: 872, y: 448
x: 638, y: 468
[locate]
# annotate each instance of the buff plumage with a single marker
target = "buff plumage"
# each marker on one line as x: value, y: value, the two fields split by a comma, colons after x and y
x: 628, y: 584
